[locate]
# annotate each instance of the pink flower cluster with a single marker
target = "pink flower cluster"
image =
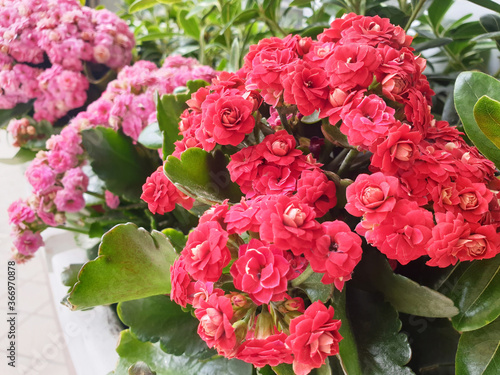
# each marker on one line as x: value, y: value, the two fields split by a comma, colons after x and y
x: 64, y: 35
x: 56, y: 175
x: 429, y: 194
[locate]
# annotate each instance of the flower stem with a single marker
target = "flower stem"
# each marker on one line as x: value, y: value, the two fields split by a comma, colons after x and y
x: 284, y: 120
x: 346, y: 164
x: 76, y: 230
x: 414, y: 14
x: 303, y: 276
x: 94, y: 194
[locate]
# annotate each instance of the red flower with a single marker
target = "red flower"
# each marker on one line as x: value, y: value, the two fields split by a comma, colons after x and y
x: 336, y: 253
x: 374, y: 195
x: 206, y: 253
x: 278, y: 148
x: 405, y: 232
x: 181, y: 281
x: 314, y: 336
x: 216, y: 213
x: 352, y: 66
x: 161, y: 195
x: 289, y: 222
x: 307, y: 87
x: 260, y: 271
x: 268, y: 351
x: 215, y: 326
x: 454, y: 239
x: 242, y: 216
x: 368, y: 122
x: 227, y: 117
x: 317, y: 191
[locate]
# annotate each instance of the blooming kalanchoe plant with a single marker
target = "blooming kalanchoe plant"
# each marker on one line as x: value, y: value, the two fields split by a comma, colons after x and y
x: 411, y: 186
x: 56, y: 175
x: 44, y: 45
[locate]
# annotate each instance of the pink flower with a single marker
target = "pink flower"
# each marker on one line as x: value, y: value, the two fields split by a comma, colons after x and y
x: 314, y: 188
x: 27, y: 242
x: 61, y: 161
x: 112, y: 201
x: 40, y: 176
x: 161, y: 195
x: 241, y: 217
x: 278, y: 148
x: 260, y: 271
x: 215, y: 326
x: 372, y: 195
x: 206, y: 253
x: 75, y: 179
x: 314, y: 336
x: 336, y: 253
x: 181, y: 281
x: 19, y: 213
x: 69, y: 200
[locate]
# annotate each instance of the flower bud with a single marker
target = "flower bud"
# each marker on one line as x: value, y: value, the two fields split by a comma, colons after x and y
x: 264, y: 326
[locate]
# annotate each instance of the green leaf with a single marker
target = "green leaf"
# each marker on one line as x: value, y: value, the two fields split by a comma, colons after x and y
x: 21, y: 157
x: 189, y: 25
x: 140, y: 368
x: 489, y: 4
x: 176, y: 238
x: 234, y: 56
x: 311, y: 119
x: 151, y: 136
x: 170, y: 1
x: 203, y: 176
x: 479, y: 351
x: 476, y: 293
x: 469, y: 87
x: 139, y: 5
x: 300, y: 3
x: 382, y: 350
x: 169, y: 110
x: 487, y: 116
x: 433, y: 344
x: 283, y: 369
x: 491, y: 23
x: 315, y: 289
x: 131, y: 351
x: 439, y: 42
x: 122, y: 165
x: 18, y: 111
x: 245, y: 16
x: 407, y: 296
x: 437, y: 10
x: 312, y: 31
x: 159, y: 319
x: 132, y: 264
x: 348, y: 350
x: 69, y: 276
x: 154, y: 36
x: 334, y: 135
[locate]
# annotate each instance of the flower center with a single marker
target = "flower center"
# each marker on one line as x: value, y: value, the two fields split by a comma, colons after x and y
x: 373, y: 196
x: 468, y: 201
x: 294, y: 217
x: 402, y: 151
x: 280, y: 148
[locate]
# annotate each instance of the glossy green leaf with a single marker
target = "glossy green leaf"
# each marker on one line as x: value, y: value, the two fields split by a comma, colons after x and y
x: 489, y: 4
x: 189, y: 25
x: 245, y: 16
x: 487, y: 115
x: 334, y: 135
x: 479, y: 351
x: 382, y: 349
x: 157, y: 318
x: 433, y: 344
x: 132, y: 264
x: 348, y: 351
x: 315, y: 289
x: 168, y: 111
x: 203, y: 176
x: 170, y: 1
x: 491, y: 23
x: 469, y: 87
x: 18, y: 111
x: 69, y: 275
x: 300, y: 3
x: 121, y: 164
x: 437, y: 10
x: 476, y: 293
x: 283, y: 369
x: 132, y: 350
x: 139, y: 5
x: 154, y: 36
x: 176, y: 238
x: 433, y: 43
x: 407, y: 296
x: 151, y: 136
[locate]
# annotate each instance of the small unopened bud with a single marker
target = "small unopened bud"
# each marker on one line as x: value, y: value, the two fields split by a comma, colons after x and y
x: 240, y: 330
x: 264, y: 326
x: 31, y: 130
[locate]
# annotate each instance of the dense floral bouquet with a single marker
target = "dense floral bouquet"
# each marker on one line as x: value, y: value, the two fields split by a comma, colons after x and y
x: 418, y: 188
x: 46, y: 46
x: 57, y: 175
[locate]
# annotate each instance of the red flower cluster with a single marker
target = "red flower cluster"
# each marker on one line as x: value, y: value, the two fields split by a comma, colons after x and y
x: 362, y: 77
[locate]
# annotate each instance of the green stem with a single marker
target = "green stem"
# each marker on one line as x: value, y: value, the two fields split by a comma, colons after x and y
x: 414, y: 14
x: 346, y: 164
x: 76, y: 230
x: 282, y: 112
x: 97, y: 195
x: 303, y: 276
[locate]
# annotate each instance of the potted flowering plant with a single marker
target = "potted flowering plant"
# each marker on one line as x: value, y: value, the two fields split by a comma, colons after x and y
x: 342, y: 227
